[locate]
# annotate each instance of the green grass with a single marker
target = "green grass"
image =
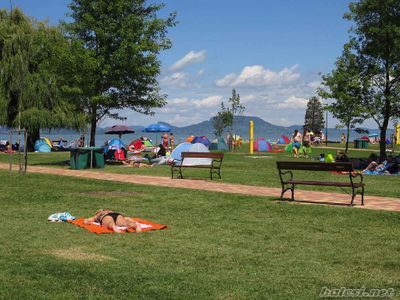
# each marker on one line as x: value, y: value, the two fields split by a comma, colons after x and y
x: 239, y: 167
x: 217, y: 246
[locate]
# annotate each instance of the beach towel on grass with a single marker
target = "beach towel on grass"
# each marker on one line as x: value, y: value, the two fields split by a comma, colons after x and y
x: 97, y: 228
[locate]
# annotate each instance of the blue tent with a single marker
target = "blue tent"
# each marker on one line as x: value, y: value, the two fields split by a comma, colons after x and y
x: 157, y: 128
x: 42, y: 146
x: 115, y: 145
x: 202, y: 140
x: 262, y: 145
x: 184, y: 147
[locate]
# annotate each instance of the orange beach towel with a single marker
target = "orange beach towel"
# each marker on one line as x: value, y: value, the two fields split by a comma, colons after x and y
x: 146, y: 226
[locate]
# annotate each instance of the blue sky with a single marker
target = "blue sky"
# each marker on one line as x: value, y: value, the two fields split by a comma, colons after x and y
x: 271, y: 52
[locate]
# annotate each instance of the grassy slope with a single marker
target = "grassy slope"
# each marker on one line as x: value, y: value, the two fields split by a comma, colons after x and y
x: 216, y: 246
x: 239, y: 167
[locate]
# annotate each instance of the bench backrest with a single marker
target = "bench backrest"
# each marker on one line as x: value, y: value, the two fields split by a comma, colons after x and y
x: 213, y: 155
x: 315, y: 166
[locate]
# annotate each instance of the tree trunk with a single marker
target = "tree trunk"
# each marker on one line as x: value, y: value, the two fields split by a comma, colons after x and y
x: 93, y: 125
x: 33, y: 136
x: 382, y: 142
x: 347, y: 138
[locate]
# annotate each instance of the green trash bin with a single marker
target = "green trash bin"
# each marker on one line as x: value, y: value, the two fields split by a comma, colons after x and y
x: 98, y: 158
x: 79, y: 158
x: 360, y: 144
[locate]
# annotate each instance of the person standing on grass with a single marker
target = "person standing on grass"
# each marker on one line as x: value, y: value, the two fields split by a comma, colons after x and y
x: 296, y: 140
x: 165, y: 140
x: 343, y: 138
x: 306, y: 143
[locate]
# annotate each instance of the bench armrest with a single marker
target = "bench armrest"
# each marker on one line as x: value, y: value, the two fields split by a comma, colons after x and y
x: 355, y: 175
x: 284, y: 173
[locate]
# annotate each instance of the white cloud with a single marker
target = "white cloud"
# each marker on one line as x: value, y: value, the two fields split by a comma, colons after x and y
x: 314, y: 84
x: 178, y: 79
x: 293, y: 102
x: 253, y: 76
x: 188, y: 59
x: 200, y: 72
x: 208, y: 101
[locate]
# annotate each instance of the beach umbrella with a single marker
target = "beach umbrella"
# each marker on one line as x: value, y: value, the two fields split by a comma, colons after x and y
x: 157, y: 128
x: 120, y: 130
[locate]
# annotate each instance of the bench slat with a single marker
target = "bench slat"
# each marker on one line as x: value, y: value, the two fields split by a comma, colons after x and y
x: 215, y: 155
x: 315, y: 166
x: 322, y: 183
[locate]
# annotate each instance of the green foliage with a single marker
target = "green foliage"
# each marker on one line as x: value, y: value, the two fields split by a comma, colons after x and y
x: 314, y: 118
x: 345, y: 87
x: 375, y: 42
x: 30, y: 95
x: 114, y: 65
x: 225, y: 118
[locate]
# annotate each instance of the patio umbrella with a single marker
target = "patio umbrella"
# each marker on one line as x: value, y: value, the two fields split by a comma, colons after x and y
x: 156, y: 128
x: 120, y: 130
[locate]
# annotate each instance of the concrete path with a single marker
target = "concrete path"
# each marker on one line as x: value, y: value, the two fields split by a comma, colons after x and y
x: 301, y: 196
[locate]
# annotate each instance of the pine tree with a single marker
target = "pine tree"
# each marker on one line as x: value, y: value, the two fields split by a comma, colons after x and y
x: 314, y: 119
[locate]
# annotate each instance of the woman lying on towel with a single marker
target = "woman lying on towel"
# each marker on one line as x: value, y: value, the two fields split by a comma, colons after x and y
x: 112, y: 220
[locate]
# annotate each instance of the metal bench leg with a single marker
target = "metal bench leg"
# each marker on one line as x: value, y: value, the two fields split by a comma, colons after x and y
x: 292, y: 189
x: 362, y: 196
x: 180, y: 173
x: 353, y: 195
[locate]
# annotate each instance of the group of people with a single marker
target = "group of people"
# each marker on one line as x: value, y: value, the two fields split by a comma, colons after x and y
x: 301, y: 141
x: 5, y: 146
x: 168, y: 142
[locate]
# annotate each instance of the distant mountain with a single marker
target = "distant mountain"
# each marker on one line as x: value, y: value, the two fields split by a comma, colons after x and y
x: 241, y: 127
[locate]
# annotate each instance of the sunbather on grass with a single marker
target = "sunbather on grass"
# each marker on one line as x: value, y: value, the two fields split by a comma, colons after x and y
x: 112, y: 220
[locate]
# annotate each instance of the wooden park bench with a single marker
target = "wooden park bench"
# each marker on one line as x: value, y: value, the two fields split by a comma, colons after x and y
x: 214, y: 166
x: 288, y: 182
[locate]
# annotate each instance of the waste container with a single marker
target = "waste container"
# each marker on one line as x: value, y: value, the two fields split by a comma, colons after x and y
x: 79, y: 158
x: 97, y: 155
x: 360, y: 144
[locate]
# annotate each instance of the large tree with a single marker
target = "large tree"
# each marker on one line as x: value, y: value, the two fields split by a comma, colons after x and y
x: 115, y: 65
x: 30, y: 95
x: 314, y: 118
x: 376, y: 40
x: 345, y: 88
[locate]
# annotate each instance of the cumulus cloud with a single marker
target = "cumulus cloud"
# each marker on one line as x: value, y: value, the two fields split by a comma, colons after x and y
x: 190, y: 58
x: 314, y: 84
x: 254, y: 76
x: 208, y: 101
x: 292, y: 102
x: 179, y: 80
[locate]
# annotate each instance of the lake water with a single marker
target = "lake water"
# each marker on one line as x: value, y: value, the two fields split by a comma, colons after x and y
x: 333, y: 134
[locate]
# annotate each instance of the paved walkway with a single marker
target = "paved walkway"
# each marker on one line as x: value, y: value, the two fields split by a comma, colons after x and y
x: 306, y: 197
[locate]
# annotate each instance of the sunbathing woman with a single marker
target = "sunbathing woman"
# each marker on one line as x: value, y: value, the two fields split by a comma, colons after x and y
x: 112, y: 220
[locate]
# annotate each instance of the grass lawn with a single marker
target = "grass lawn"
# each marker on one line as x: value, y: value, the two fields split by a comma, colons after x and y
x: 217, y: 246
x: 239, y: 167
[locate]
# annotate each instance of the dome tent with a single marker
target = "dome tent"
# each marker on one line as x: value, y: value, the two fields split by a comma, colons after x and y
x: 283, y: 140
x: 261, y: 145
x: 188, y: 147
x: 41, y: 145
x: 219, y: 144
x: 202, y: 140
